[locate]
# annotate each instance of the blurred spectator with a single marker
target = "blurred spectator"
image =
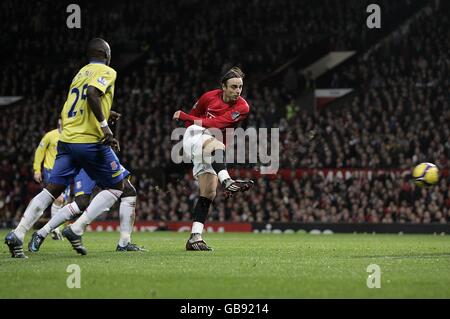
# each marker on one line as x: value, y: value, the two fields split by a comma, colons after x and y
x: 398, y: 117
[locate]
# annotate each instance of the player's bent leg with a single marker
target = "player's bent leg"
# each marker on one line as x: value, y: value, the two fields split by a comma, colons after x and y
x: 36, y: 208
x: 102, y: 202
x: 81, y: 202
x: 68, y: 212
x: 208, y: 185
x: 214, y: 155
x: 127, y: 216
x: 102, y: 165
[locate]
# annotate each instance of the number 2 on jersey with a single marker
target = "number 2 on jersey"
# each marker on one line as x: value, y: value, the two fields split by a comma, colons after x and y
x: 76, y: 91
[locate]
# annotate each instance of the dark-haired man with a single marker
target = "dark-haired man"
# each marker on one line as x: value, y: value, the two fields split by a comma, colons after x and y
x: 222, y: 108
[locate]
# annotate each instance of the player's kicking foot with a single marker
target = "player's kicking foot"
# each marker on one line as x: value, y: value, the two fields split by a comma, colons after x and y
x: 244, y: 185
x: 232, y: 187
x: 195, y: 242
x: 75, y: 240
x: 35, y: 242
x: 130, y: 247
x: 15, y: 245
x: 56, y: 234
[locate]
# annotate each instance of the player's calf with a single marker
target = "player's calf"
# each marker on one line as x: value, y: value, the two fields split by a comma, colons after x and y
x: 56, y: 207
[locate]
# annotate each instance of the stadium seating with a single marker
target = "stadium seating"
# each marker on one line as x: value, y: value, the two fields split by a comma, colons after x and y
x: 396, y: 119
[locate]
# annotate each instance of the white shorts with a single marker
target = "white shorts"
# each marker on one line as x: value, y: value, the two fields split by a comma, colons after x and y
x: 193, y: 140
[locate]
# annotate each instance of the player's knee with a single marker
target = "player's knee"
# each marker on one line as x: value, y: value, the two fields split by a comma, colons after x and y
x: 59, y: 201
x: 128, y: 189
x: 55, y: 189
x: 211, y: 145
x: 209, y: 150
x: 210, y: 194
x: 119, y: 186
x: 82, y: 201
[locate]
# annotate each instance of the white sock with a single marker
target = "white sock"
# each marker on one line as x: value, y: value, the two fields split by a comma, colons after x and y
x: 127, y: 215
x: 33, y: 212
x: 55, y: 209
x: 66, y: 213
x: 197, y: 228
x: 223, y: 175
x: 103, y: 201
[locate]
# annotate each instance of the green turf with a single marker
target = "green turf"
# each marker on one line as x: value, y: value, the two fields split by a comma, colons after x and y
x: 242, y: 266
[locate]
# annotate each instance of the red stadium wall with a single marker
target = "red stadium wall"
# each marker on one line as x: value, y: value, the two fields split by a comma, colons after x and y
x: 215, y: 227
x: 278, y: 228
x: 287, y: 174
x: 328, y: 173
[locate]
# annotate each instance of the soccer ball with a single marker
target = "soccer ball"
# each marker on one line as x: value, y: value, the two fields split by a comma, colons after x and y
x: 425, y: 174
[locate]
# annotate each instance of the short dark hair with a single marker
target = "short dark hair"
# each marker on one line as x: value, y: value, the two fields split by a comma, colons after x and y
x: 234, y: 72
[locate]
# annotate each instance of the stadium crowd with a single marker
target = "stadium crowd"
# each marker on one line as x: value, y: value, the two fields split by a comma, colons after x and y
x: 385, y: 198
x: 39, y: 53
x: 400, y: 95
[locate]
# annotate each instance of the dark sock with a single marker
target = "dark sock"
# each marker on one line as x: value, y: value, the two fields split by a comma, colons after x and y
x: 217, y: 167
x: 201, y: 209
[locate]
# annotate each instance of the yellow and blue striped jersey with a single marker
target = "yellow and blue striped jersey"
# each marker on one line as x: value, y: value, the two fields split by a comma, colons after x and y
x: 78, y: 121
x: 46, y: 151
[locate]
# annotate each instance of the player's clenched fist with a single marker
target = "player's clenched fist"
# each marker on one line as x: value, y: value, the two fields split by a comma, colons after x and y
x: 115, y: 145
x: 176, y: 115
x: 114, y: 116
x: 38, y: 177
x: 107, y: 136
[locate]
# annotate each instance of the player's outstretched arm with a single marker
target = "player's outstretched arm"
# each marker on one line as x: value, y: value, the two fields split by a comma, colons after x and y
x: 93, y: 99
x: 198, y: 110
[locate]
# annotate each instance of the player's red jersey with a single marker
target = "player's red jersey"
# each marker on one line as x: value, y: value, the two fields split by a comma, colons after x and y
x: 212, y: 111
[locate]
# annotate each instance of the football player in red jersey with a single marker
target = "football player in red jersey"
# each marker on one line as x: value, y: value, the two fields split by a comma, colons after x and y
x: 222, y: 108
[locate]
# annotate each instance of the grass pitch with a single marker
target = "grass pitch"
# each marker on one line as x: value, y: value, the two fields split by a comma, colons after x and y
x: 243, y: 265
